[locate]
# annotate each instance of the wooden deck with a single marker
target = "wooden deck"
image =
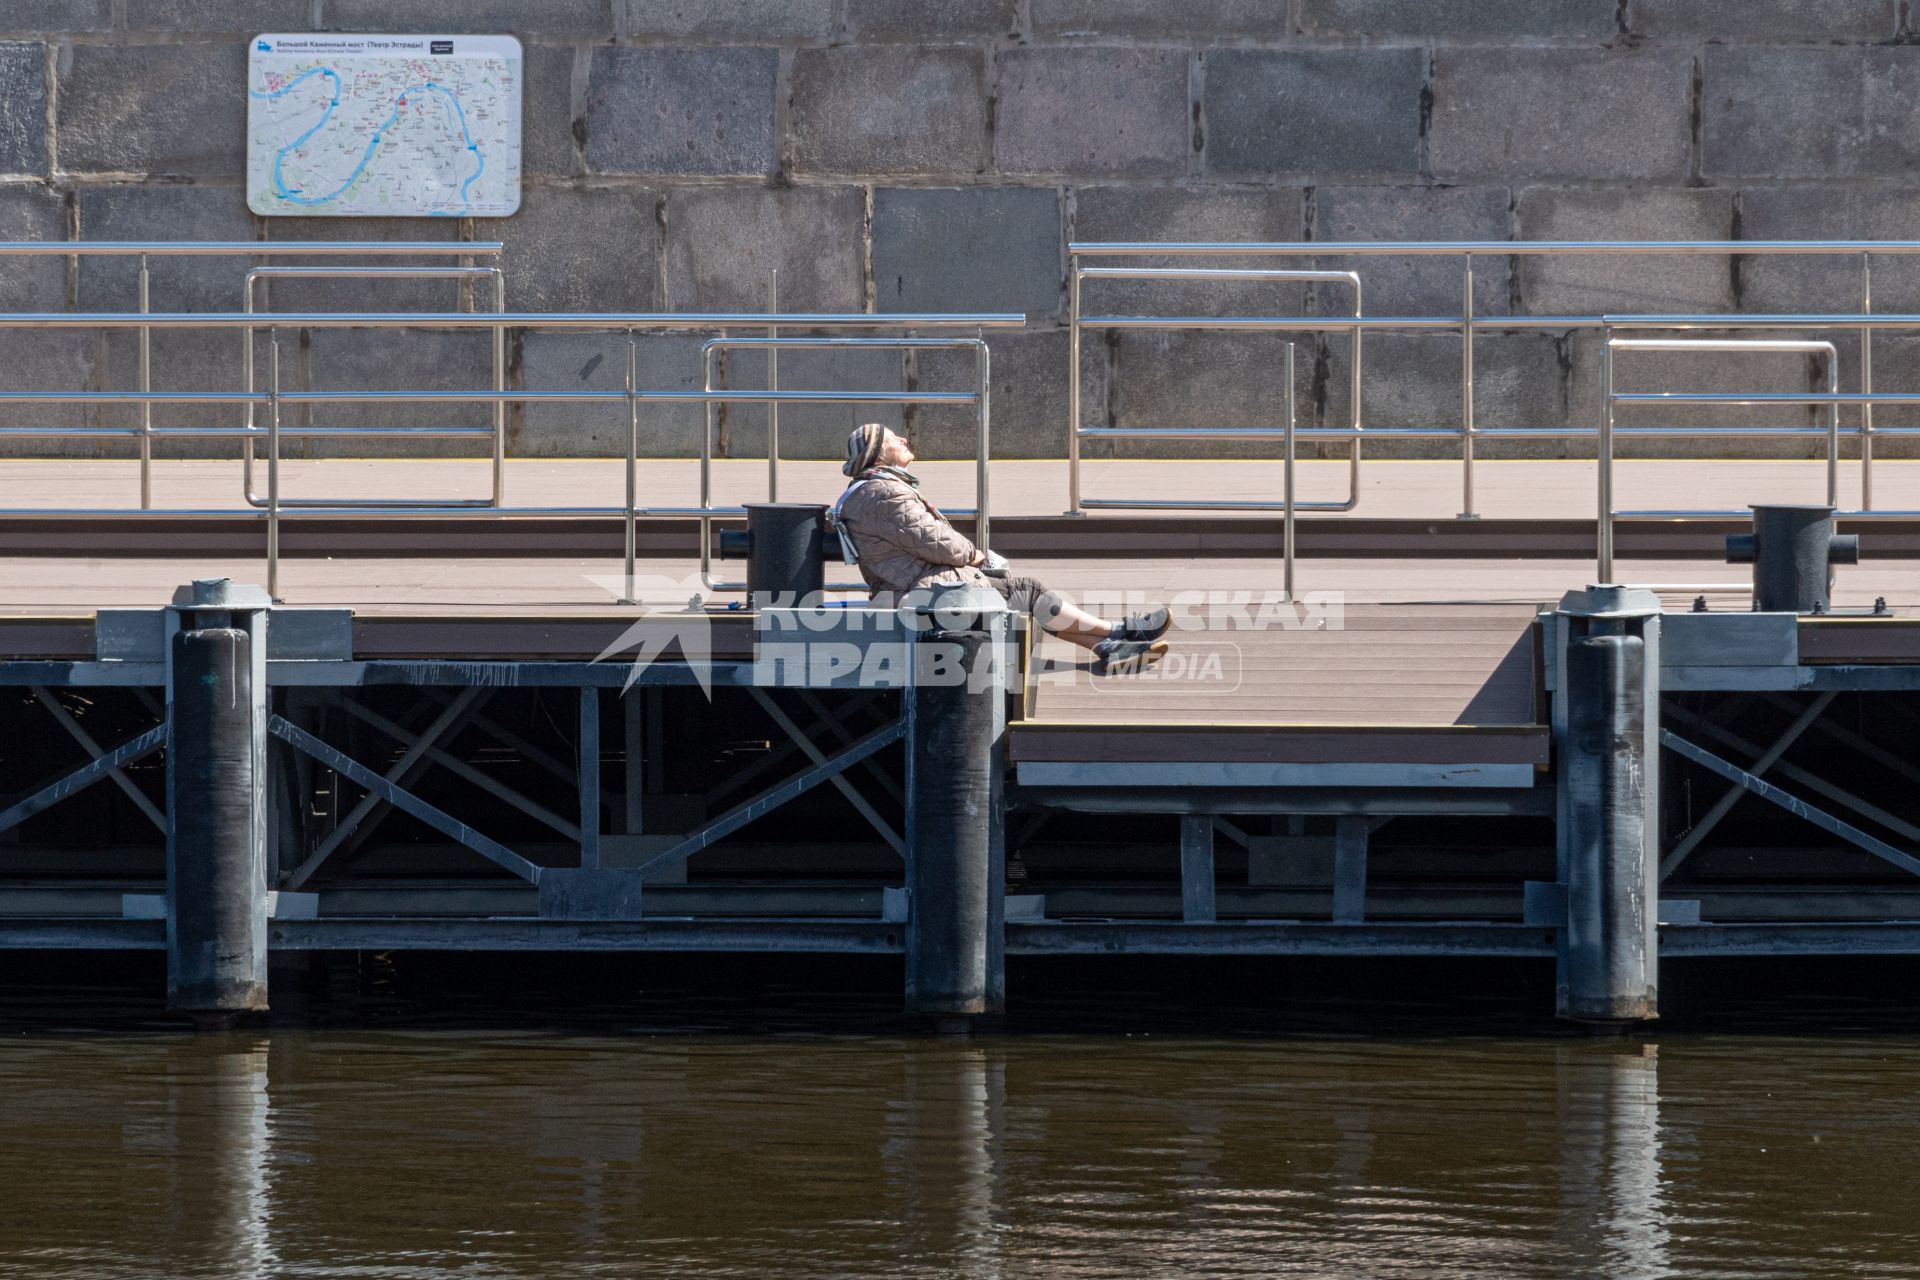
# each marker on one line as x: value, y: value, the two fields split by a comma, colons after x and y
x: 1423, y: 642
x: 1365, y: 664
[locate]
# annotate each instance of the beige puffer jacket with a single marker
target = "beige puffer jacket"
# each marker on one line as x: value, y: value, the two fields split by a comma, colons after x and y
x: 901, y: 543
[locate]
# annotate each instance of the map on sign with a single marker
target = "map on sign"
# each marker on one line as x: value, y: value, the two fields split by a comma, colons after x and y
x: 384, y: 126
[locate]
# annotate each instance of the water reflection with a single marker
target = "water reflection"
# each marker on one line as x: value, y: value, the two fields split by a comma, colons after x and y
x: 435, y: 1153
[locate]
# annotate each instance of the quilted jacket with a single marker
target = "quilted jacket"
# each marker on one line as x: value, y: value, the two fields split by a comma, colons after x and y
x: 901, y: 544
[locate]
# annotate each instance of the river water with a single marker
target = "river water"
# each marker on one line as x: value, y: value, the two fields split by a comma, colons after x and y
x: 663, y: 1147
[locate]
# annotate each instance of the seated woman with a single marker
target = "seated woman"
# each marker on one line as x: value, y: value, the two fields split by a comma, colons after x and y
x: 902, y: 543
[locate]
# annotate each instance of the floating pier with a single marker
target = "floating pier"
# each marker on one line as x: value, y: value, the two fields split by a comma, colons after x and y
x: 1511, y: 750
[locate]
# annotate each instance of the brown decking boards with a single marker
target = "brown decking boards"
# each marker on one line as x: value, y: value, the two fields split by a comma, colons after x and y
x: 1437, y: 664
x: 1378, y: 684
x: 1862, y: 640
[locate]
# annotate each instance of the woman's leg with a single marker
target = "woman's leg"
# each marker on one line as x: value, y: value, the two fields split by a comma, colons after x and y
x: 1073, y: 624
x: 1054, y: 612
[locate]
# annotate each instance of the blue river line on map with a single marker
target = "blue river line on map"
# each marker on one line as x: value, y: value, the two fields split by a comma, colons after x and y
x: 294, y: 195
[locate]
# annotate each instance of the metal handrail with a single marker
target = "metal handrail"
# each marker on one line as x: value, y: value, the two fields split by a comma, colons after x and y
x: 1604, y: 471
x: 609, y: 321
x: 1078, y: 323
x: 1389, y: 248
x: 211, y: 248
x: 631, y: 394
x: 246, y: 248
x: 249, y: 321
x: 498, y: 497
x: 1467, y: 324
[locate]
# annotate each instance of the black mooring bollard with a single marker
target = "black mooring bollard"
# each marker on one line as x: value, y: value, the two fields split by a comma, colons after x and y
x: 1792, y: 550
x: 954, y: 719
x: 1609, y: 954
x: 784, y: 546
x: 216, y: 877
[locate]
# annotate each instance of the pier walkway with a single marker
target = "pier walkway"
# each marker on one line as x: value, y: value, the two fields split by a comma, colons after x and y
x: 513, y: 703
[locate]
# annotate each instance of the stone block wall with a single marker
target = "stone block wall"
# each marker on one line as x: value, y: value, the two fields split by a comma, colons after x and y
x: 896, y: 155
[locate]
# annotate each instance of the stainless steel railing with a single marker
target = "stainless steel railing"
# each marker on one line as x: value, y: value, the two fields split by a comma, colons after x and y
x: 146, y: 249
x: 1468, y: 325
x: 274, y: 397
x: 499, y: 432
x: 1081, y: 323
x: 1610, y: 432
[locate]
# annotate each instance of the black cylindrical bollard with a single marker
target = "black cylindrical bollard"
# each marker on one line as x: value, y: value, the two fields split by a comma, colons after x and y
x: 216, y: 879
x: 950, y: 841
x: 1609, y: 950
x: 1792, y: 550
x: 784, y: 545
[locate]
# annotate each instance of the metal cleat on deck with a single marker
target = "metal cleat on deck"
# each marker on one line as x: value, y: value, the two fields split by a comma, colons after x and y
x: 1793, y: 549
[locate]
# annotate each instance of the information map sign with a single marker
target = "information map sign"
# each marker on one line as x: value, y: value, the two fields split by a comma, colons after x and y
x: 384, y: 126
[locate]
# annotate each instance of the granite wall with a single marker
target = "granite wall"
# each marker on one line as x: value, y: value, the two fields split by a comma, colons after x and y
x: 939, y: 155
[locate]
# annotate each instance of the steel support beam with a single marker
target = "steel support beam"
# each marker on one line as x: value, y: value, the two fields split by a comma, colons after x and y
x: 93, y: 749
x: 126, y: 753
x: 404, y: 800
x: 1724, y: 805
x: 1197, y: 904
x: 589, y: 776
x: 402, y: 772
x: 1278, y: 938
x: 772, y: 798
x: 461, y: 769
x: 825, y: 937
x: 839, y: 781
x: 1791, y: 803
x: 1350, y: 836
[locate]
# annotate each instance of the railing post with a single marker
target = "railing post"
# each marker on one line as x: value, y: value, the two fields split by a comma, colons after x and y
x: 1833, y: 430
x: 273, y: 469
x: 1466, y: 390
x: 1866, y: 384
x: 146, y: 388
x: 246, y: 367
x: 983, y: 444
x: 1073, y: 388
x: 773, y: 384
x: 499, y: 385
x: 1604, y: 464
x: 631, y: 532
x: 217, y: 802
x: 1286, y: 481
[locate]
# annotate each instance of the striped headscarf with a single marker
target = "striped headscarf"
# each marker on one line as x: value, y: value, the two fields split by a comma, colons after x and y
x: 863, y: 448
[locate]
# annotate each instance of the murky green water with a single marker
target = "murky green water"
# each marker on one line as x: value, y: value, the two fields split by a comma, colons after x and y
x: 447, y: 1152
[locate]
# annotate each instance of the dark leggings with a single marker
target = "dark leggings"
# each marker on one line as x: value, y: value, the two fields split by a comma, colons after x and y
x: 1029, y: 596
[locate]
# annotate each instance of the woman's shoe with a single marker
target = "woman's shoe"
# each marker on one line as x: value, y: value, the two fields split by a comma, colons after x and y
x: 1150, y: 625
x: 1115, y: 656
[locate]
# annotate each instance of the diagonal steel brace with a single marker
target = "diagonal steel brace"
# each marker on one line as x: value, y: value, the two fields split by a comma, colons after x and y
x: 1792, y: 804
x: 403, y: 800
x: 839, y: 781
x: 1724, y: 805
x: 775, y: 796
x: 85, y: 739
x: 402, y: 772
x: 85, y: 776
